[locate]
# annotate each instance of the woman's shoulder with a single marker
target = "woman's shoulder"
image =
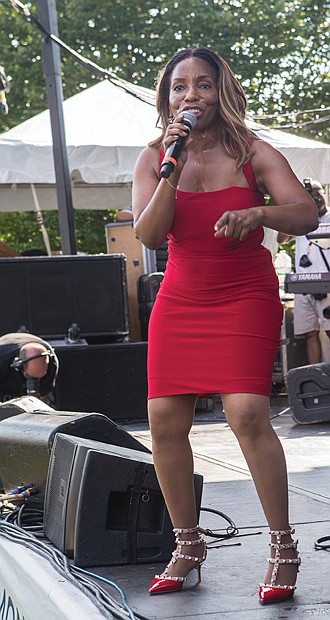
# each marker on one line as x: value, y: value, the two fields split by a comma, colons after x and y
x: 150, y: 157
x: 264, y: 154
x: 261, y: 147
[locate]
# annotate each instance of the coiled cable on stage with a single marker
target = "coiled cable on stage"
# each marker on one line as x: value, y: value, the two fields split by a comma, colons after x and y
x: 229, y: 532
x: 322, y: 543
x: 28, y: 518
x: 224, y: 534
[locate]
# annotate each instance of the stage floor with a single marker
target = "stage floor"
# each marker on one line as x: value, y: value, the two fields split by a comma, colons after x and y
x: 231, y: 573
x: 233, y: 569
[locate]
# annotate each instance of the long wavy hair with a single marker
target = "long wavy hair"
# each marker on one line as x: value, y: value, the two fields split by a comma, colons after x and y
x: 233, y: 133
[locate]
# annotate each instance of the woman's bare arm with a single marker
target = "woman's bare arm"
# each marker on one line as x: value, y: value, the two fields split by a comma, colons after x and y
x: 294, y: 211
x: 153, y: 200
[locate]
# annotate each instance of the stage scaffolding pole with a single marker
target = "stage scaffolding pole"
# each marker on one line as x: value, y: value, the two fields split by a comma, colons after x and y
x: 52, y: 67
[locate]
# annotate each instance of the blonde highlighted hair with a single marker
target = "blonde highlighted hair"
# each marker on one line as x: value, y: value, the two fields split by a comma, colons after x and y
x: 233, y: 133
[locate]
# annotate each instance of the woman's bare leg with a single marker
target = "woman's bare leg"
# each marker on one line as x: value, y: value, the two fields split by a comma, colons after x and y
x: 248, y: 417
x: 170, y: 420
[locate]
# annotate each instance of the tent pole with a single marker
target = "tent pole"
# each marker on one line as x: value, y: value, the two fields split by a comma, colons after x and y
x: 40, y: 220
x: 52, y: 67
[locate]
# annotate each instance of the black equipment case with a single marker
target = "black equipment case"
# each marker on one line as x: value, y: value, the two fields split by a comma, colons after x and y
x: 308, y: 390
x: 79, y: 304
x: 148, y: 287
x: 103, y: 504
x: 109, y: 378
x: 28, y: 428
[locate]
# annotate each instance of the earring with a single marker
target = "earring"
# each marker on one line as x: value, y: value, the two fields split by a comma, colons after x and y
x: 170, y: 119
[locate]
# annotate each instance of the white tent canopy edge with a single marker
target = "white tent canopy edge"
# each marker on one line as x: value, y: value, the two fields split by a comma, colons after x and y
x: 106, y: 128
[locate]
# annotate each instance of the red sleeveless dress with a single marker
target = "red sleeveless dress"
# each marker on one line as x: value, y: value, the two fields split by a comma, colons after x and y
x: 215, y: 325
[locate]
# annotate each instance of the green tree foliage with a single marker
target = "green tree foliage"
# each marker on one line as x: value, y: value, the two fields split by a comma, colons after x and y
x: 22, y: 232
x: 20, y: 54
x: 279, y: 50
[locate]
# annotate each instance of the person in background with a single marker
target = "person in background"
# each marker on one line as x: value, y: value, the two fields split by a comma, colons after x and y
x: 125, y: 215
x: 312, y: 312
x: 28, y: 365
x: 272, y: 239
x: 215, y: 325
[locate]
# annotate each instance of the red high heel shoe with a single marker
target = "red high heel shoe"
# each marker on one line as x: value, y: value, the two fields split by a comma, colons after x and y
x: 271, y: 592
x: 166, y: 583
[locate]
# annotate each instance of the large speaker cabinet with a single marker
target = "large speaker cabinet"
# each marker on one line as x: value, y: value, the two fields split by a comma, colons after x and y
x: 27, y: 439
x: 109, y: 378
x: 49, y: 294
x: 103, y: 504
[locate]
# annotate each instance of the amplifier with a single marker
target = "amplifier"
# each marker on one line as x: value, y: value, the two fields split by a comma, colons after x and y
x: 108, y: 378
x: 48, y: 295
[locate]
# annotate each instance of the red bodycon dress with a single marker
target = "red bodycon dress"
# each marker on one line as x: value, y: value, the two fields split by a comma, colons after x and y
x: 215, y: 325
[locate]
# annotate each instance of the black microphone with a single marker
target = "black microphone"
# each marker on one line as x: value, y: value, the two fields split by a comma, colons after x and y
x: 173, y: 152
x: 32, y: 386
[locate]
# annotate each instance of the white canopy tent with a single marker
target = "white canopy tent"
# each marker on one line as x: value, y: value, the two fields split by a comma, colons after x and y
x: 106, y: 127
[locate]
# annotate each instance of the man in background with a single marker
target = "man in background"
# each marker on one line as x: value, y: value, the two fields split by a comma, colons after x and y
x: 28, y: 365
x: 312, y: 312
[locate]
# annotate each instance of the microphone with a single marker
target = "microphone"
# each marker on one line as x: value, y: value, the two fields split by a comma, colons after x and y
x: 32, y: 386
x: 173, y: 152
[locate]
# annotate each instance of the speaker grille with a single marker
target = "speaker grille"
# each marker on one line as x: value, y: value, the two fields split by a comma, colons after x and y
x: 139, y: 530
x: 58, y: 484
x: 48, y: 294
x: 118, y: 387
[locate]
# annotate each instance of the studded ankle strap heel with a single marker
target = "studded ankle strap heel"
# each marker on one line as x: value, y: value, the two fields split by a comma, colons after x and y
x: 168, y: 583
x: 273, y: 592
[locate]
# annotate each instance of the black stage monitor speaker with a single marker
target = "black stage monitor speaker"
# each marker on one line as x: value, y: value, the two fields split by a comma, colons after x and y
x: 109, y: 378
x: 48, y: 294
x: 26, y: 441
x: 103, y: 504
x: 308, y: 390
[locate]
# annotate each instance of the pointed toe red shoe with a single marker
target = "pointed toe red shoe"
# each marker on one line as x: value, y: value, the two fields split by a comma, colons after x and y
x: 165, y: 583
x: 162, y: 584
x: 272, y: 592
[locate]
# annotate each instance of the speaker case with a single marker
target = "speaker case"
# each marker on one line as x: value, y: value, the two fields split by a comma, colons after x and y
x: 308, y: 390
x: 27, y: 439
x: 108, y: 378
x: 112, y: 513
x: 49, y: 294
x: 148, y: 287
x: 121, y: 238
